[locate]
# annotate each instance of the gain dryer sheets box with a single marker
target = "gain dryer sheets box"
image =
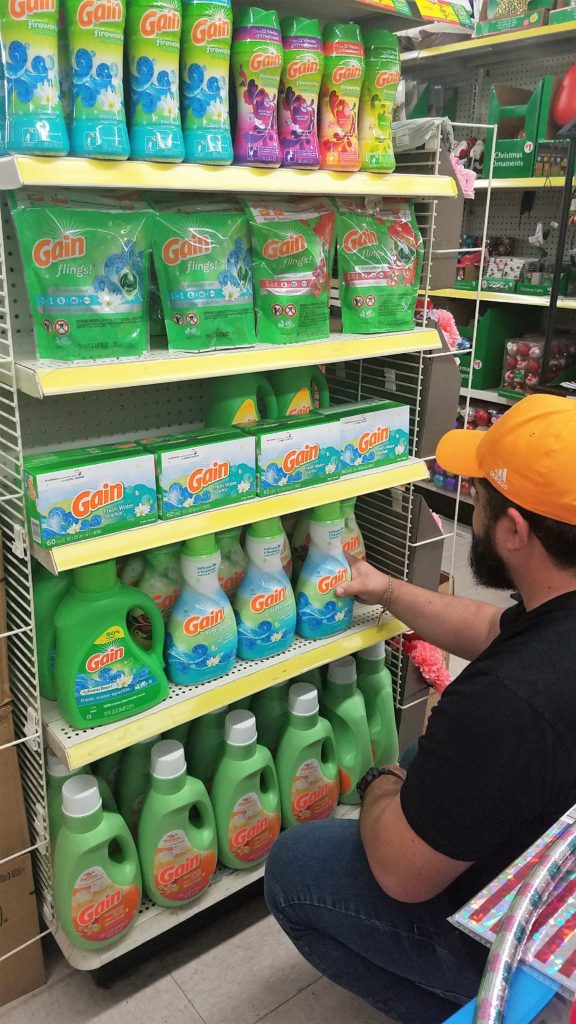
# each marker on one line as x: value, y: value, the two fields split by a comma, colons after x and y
x: 295, y: 452
x: 88, y: 492
x: 202, y: 470
x: 373, y: 434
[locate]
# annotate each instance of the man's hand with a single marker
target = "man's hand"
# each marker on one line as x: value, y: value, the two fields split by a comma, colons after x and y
x: 367, y: 585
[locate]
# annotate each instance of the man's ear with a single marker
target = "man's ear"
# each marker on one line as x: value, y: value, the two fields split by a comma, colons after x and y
x: 515, y: 530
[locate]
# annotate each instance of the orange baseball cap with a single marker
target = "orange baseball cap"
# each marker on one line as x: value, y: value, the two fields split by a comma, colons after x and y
x: 529, y: 455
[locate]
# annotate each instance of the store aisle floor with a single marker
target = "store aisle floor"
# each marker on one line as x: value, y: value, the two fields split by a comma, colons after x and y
x: 240, y: 969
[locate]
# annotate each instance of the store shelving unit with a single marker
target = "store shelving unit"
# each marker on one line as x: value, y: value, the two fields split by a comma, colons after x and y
x: 506, y: 297
x: 550, y: 40
x: 489, y: 396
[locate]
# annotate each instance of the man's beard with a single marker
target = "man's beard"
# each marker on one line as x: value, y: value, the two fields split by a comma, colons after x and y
x: 488, y: 567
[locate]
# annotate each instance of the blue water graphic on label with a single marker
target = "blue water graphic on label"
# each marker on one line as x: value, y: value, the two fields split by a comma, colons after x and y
x: 201, y: 639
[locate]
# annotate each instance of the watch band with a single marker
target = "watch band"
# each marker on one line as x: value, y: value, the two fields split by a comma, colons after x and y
x: 371, y: 775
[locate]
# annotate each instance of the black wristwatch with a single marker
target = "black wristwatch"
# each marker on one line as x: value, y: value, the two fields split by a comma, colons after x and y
x: 371, y: 775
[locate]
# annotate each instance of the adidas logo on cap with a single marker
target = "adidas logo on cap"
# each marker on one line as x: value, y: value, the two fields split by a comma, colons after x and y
x: 500, y: 476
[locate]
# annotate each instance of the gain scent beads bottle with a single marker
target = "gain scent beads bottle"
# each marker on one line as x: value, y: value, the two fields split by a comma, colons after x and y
x: 256, y: 67
x: 377, y: 100
x: 340, y: 97
x: 204, y: 71
x: 299, y: 87
x: 153, y: 36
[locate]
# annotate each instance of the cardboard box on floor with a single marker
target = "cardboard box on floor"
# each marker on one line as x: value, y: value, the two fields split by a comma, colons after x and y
x: 23, y: 971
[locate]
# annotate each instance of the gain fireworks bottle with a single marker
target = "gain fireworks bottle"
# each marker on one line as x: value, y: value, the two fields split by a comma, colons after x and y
x: 340, y: 97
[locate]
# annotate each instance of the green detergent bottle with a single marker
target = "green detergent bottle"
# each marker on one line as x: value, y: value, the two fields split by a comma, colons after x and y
x: 205, y: 745
x: 108, y: 768
x: 135, y: 782
x: 314, y: 677
x: 179, y: 733
x: 375, y: 685
x: 300, y: 544
x: 102, y: 675
x: 343, y: 706
x: 270, y: 709
x: 294, y: 389
x: 97, y: 881
x: 233, y: 401
x: 352, y: 541
x: 245, y: 795
x: 232, y: 569
x: 48, y: 593
x: 306, y: 761
x: 177, y: 842
x: 162, y: 581
x: 56, y: 775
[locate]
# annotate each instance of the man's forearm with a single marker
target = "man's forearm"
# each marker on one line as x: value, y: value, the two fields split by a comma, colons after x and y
x: 378, y: 798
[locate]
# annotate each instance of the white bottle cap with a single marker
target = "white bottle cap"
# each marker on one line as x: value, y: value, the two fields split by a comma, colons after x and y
x: 57, y: 768
x: 167, y: 759
x: 374, y: 653
x: 303, y: 699
x: 343, y: 670
x: 240, y: 728
x: 81, y: 796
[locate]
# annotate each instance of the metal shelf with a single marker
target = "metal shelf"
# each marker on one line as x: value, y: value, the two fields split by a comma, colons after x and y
x: 80, y: 747
x: 100, y: 549
x: 519, y: 183
x: 483, y: 50
x: 66, y: 172
x: 153, y: 920
x: 41, y: 378
x: 490, y: 396
x: 486, y: 296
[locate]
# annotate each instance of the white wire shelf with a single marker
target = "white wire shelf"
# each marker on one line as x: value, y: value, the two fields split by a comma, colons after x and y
x: 490, y: 396
x: 564, y: 302
x: 79, y: 747
x: 429, y: 486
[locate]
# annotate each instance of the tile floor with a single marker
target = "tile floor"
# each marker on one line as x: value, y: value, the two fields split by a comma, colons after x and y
x: 239, y: 969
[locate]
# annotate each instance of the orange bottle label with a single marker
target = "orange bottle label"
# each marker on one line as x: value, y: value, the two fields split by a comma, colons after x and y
x: 252, y: 830
x: 100, y: 909
x: 300, y: 404
x: 345, y: 781
x: 180, y: 871
x: 247, y: 413
x: 313, y: 796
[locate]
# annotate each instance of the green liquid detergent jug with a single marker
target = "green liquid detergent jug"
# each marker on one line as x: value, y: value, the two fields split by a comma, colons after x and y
x: 233, y: 401
x: 96, y: 38
x: 97, y: 881
x: 320, y: 612
x: 179, y: 733
x: 294, y: 389
x: 375, y: 684
x: 314, y: 677
x: 134, y: 782
x: 300, y: 544
x: 56, y: 775
x: 353, y: 541
x: 377, y: 100
x: 306, y: 761
x: 204, y: 63
x: 245, y: 795
x: 153, y: 30
x: 264, y: 605
x: 108, y: 768
x: 49, y: 591
x: 162, y: 581
x: 270, y: 709
x: 31, y: 104
x: 202, y: 638
x: 343, y: 706
x: 205, y: 745
x: 177, y: 842
x: 233, y: 560
x: 101, y: 673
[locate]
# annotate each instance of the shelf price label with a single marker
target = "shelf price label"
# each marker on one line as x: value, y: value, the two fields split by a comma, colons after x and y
x: 436, y: 10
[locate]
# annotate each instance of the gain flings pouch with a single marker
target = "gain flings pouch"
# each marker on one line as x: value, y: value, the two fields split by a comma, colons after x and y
x: 290, y: 251
x: 379, y: 264
x: 87, y: 273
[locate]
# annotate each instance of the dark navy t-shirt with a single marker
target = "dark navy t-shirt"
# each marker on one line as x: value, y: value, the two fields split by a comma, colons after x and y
x: 497, y: 765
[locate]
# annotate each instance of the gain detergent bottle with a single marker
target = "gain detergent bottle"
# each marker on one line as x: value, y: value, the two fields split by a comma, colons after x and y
x: 153, y: 30
x: 234, y: 401
x: 56, y: 775
x: 321, y: 612
x: 299, y: 87
x: 205, y: 60
x: 48, y: 593
x: 202, y: 637
x: 264, y: 605
x: 306, y: 761
x: 29, y: 79
x: 300, y: 544
x: 343, y: 706
x: 245, y: 795
x: 270, y: 709
x: 134, y: 782
x: 294, y: 390
x: 108, y: 768
x: 96, y: 39
x: 162, y: 581
x: 314, y: 677
x: 102, y: 675
x: 97, y: 882
x: 177, y: 833
x: 375, y: 685
x: 352, y: 541
x: 377, y: 100
x: 205, y: 745
x: 234, y: 561
x: 256, y: 64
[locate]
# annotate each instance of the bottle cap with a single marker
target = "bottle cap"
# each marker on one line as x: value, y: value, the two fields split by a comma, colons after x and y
x: 245, y: 17
x: 57, y: 768
x: 200, y: 546
x: 342, y: 671
x: 95, y: 579
x: 81, y: 796
x: 303, y: 699
x: 377, y: 652
x: 309, y: 27
x: 240, y: 728
x: 167, y: 759
x: 339, y: 32
x: 380, y: 37
x: 329, y: 513
x: 266, y: 528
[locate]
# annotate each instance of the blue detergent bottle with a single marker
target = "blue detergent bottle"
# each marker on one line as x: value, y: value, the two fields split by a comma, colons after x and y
x: 264, y: 605
x: 31, y: 111
x: 204, y: 68
x: 153, y: 29
x: 202, y: 638
x: 96, y: 40
x: 320, y: 612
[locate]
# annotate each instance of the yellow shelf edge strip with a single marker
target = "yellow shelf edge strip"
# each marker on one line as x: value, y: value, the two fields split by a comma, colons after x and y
x: 564, y: 302
x: 504, y: 39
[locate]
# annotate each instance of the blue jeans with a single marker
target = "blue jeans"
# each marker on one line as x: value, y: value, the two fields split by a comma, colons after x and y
x: 404, y: 959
